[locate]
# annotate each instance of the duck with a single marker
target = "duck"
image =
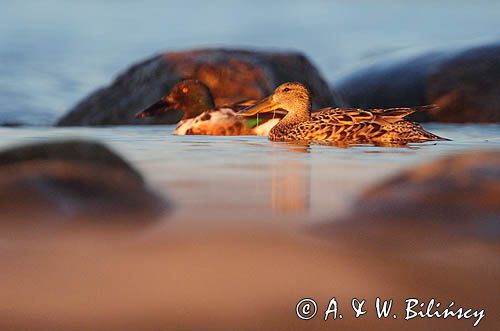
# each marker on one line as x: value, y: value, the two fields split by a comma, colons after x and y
x: 337, y: 125
x: 202, y: 117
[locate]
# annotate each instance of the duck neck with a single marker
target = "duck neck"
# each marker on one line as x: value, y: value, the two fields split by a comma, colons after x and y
x: 292, y: 119
x: 195, y: 110
x: 198, y: 105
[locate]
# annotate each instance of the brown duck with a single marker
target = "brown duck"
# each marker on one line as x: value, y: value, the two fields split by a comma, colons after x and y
x: 201, y: 117
x: 337, y: 124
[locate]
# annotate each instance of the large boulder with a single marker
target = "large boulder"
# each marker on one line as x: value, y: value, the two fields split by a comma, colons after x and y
x: 459, y: 193
x: 232, y: 75
x: 463, y: 81
x: 72, y: 180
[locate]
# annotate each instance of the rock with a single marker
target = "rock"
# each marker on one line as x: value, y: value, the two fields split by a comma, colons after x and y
x: 232, y: 76
x: 464, y: 82
x: 72, y: 150
x: 61, y: 181
x: 460, y: 193
x: 8, y: 124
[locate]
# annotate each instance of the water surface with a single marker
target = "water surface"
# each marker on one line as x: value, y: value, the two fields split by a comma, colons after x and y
x: 249, y: 178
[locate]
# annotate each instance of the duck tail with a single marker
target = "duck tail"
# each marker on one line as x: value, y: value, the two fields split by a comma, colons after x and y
x: 242, y: 104
x: 427, y: 136
x: 419, y: 134
x: 409, y: 132
x: 425, y: 108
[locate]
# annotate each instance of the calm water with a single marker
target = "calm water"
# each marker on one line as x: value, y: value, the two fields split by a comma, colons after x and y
x: 249, y: 178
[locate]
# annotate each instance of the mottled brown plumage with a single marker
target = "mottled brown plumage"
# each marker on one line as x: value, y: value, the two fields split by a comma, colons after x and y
x: 337, y: 124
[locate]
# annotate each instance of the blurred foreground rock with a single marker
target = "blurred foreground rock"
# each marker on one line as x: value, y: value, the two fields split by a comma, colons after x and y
x: 232, y: 75
x: 464, y: 82
x: 61, y: 181
x: 460, y: 193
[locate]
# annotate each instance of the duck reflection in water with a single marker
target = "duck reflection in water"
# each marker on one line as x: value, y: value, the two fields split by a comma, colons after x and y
x: 291, y: 187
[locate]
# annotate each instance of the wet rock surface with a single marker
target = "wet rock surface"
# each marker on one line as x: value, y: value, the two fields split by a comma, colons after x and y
x: 69, y: 150
x: 464, y: 82
x: 460, y: 193
x: 232, y: 76
x: 61, y: 181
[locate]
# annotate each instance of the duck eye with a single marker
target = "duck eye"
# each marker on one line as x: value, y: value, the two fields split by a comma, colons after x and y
x: 286, y: 89
x: 185, y: 90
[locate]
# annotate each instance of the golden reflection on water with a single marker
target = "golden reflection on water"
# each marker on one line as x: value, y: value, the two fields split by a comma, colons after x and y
x: 290, y: 188
x: 291, y: 184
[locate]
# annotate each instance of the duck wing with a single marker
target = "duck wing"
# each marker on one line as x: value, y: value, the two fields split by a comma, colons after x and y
x: 260, y: 124
x: 396, y: 114
x: 238, y: 105
x: 350, y: 116
x: 342, y: 116
x: 243, y: 104
x: 280, y: 113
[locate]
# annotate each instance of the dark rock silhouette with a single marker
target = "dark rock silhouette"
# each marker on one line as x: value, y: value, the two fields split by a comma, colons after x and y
x: 459, y: 193
x: 60, y: 181
x: 464, y: 82
x: 231, y: 75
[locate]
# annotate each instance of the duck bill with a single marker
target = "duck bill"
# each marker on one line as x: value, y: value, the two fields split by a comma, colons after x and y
x: 264, y: 106
x: 158, y: 108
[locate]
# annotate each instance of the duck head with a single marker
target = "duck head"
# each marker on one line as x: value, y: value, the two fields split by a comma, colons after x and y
x: 191, y: 96
x: 294, y: 98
